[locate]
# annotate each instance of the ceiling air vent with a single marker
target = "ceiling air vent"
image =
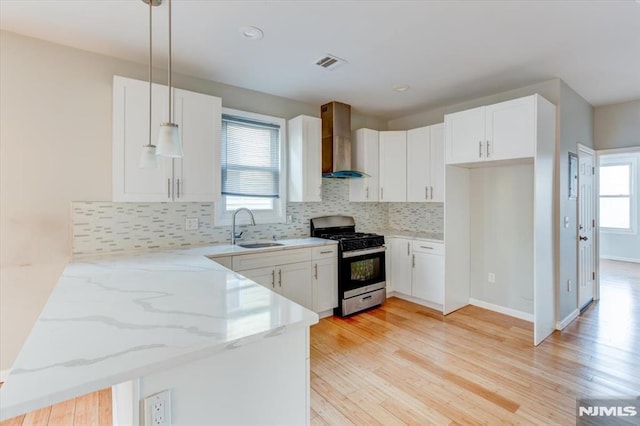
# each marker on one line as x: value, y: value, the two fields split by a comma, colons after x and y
x: 330, y: 62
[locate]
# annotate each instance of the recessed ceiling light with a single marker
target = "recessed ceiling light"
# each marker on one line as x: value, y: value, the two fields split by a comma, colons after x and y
x: 400, y: 87
x: 251, y: 33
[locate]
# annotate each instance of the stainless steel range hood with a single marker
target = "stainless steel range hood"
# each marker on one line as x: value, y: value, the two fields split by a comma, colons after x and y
x: 336, y: 141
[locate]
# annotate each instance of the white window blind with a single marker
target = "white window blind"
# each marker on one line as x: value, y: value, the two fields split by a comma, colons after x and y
x: 615, y: 196
x: 250, y: 158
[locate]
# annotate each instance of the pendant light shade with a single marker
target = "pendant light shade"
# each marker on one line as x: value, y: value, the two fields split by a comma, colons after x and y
x: 169, y: 143
x: 148, y: 156
x: 169, y: 140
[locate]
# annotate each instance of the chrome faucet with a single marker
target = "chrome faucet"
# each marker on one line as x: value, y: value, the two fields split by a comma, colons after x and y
x: 233, y: 224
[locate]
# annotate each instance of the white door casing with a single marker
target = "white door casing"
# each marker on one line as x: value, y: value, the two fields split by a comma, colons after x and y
x: 586, y: 226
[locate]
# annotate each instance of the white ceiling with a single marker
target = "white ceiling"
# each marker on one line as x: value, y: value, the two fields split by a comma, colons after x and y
x: 447, y: 51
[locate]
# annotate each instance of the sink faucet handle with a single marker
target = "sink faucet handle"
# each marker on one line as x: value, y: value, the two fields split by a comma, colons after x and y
x: 238, y: 234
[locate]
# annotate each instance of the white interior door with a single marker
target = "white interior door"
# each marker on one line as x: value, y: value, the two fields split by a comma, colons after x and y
x: 586, y: 226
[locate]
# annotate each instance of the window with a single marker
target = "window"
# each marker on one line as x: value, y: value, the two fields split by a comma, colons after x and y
x: 252, y: 172
x: 617, y: 205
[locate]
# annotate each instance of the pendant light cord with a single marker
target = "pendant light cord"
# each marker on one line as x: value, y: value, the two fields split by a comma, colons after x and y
x: 170, y: 104
x: 150, y: 65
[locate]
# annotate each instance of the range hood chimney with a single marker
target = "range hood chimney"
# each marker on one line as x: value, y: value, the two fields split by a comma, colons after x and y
x: 336, y: 141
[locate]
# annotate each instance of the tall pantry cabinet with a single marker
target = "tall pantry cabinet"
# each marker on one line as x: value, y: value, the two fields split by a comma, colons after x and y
x: 499, y: 247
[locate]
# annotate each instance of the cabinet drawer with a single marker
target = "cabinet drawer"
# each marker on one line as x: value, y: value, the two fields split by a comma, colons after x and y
x: 261, y: 260
x: 428, y: 247
x: 323, y: 252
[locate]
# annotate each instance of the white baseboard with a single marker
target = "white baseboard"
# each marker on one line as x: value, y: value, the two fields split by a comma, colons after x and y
x: 3, y: 375
x: 325, y: 314
x: 502, y: 309
x: 560, y: 325
x: 621, y: 259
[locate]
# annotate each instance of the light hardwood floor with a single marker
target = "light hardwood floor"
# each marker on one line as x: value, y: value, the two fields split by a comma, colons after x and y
x: 406, y: 364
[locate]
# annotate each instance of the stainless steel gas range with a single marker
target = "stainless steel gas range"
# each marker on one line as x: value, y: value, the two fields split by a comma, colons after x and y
x: 361, y: 263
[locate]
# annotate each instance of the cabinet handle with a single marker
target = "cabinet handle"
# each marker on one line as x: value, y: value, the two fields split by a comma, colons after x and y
x: 326, y: 252
x: 413, y: 261
x: 480, y: 149
x: 315, y: 273
x: 426, y: 247
x: 273, y: 278
x: 408, y: 247
x: 169, y: 188
x: 367, y: 194
x: 178, y: 187
x: 488, y: 153
x: 426, y: 192
x: 431, y: 192
x: 280, y: 277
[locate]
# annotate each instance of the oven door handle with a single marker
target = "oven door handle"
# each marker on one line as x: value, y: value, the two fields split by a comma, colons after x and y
x: 363, y: 252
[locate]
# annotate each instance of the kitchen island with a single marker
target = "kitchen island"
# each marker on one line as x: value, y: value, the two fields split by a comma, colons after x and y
x: 228, y: 349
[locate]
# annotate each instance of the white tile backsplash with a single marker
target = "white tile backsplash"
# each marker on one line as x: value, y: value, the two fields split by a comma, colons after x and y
x: 106, y: 227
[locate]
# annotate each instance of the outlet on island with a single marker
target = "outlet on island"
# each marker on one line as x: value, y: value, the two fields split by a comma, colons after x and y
x: 157, y: 409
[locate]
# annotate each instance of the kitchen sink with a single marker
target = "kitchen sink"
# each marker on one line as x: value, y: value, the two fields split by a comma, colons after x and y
x: 259, y: 245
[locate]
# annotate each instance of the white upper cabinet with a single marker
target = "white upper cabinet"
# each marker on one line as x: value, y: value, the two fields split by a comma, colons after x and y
x: 197, y: 174
x: 510, y: 129
x: 437, y: 163
x: 305, y: 159
x: 418, y: 164
x: 501, y: 131
x: 393, y: 165
x: 364, y: 158
x: 195, y: 177
x: 425, y: 164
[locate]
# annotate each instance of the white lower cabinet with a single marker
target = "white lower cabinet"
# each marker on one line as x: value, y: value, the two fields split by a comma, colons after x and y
x: 324, y: 278
x: 427, y: 278
x: 400, y: 265
x: 307, y: 276
x: 417, y: 270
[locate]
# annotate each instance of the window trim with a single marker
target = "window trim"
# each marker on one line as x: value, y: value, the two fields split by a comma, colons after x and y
x: 622, y: 160
x: 222, y: 217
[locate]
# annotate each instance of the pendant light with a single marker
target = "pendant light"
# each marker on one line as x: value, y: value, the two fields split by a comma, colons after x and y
x: 148, y: 157
x: 169, y: 143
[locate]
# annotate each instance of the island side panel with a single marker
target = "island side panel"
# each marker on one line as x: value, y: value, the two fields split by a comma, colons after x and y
x: 264, y: 382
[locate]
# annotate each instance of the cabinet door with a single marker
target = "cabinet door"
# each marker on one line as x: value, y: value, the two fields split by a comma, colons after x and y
x: 464, y: 136
x: 364, y: 158
x: 293, y: 281
x: 393, y: 165
x: 436, y: 163
x: 197, y: 174
x: 510, y: 129
x: 428, y: 277
x: 401, y: 265
x: 130, y: 134
x: 305, y: 159
x: 263, y: 276
x: 325, y: 284
x: 419, y: 164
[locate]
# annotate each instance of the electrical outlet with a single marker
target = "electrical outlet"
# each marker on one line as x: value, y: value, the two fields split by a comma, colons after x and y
x: 428, y: 215
x: 289, y: 219
x: 157, y: 409
x: 492, y: 277
x: 569, y: 284
x: 191, y: 224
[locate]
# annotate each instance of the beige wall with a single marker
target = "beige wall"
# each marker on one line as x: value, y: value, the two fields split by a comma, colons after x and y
x: 55, y: 147
x: 617, y: 125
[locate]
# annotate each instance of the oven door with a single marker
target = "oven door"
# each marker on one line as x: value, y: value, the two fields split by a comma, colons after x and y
x: 361, y: 268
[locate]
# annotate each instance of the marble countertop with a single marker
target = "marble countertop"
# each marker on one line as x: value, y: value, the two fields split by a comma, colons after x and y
x: 112, y: 319
x: 426, y: 236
